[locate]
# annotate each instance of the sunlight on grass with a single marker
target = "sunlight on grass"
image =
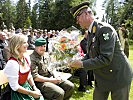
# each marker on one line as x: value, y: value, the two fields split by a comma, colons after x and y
x: 131, y: 62
x: 80, y: 95
x: 84, y: 96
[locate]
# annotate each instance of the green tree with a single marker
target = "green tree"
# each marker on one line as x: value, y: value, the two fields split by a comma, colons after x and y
x: 34, y: 16
x: 8, y: 12
x: 22, y: 13
x: 54, y: 14
x: 120, y: 12
x: 27, y: 23
x: 111, y: 11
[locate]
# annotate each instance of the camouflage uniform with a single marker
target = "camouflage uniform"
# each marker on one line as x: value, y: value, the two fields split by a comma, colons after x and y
x: 123, y: 36
x: 49, y: 90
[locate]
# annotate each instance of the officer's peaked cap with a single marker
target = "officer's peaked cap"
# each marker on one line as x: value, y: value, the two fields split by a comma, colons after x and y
x: 75, y: 10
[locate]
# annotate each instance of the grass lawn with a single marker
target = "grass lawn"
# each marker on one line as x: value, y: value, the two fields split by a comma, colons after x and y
x: 84, y: 96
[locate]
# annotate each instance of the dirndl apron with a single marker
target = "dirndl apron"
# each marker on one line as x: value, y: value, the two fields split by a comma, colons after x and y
x: 23, y: 82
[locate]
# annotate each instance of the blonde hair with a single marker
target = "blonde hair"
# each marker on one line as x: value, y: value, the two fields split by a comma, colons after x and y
x: 15, y: 43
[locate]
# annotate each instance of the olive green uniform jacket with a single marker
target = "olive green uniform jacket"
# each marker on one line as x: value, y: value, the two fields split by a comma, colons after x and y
x: 110, y: 64
x: 60, y: 91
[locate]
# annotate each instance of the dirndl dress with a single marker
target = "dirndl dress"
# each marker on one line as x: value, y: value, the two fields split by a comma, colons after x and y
x: 24, y: 83
x: 19, y: 96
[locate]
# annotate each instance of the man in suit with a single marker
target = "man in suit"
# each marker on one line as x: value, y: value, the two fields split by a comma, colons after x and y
x: 111, y: 68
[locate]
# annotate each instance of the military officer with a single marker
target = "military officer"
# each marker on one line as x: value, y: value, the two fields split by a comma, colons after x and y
x: 52, y: 88
x: 104, y: 56
x: 123, y: 36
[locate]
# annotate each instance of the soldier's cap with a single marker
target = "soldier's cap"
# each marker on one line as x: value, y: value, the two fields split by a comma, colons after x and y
x: 76, y: 10
x: 40, y: 42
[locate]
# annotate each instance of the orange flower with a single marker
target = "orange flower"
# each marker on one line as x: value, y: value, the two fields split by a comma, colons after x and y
x: 62, y: 46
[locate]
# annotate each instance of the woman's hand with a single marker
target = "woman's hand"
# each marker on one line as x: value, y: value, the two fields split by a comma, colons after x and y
x: 36, y: 89
x: 35, y: 94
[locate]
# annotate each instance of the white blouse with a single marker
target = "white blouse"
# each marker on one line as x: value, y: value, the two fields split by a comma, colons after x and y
x: 12, y: 72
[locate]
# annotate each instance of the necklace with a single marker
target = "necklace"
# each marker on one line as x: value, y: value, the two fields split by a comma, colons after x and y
x: 22, y: 62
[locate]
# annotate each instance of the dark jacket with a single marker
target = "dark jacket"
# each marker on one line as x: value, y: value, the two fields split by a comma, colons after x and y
x: 2, y: 59
x: 31, y: 41
x: 111, y: 67
x: 83, y: 45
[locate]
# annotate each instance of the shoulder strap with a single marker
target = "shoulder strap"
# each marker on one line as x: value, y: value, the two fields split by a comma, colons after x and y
x: 12, y: 58
x: 26, y: 60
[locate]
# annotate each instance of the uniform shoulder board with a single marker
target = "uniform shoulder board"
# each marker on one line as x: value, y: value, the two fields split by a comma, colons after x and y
x: 100, y: 25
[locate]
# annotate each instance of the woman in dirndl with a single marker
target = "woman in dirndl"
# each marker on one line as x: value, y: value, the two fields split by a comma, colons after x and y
x: 18, y: 71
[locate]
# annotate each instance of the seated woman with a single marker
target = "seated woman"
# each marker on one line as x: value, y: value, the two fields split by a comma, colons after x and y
x: 18, y: 71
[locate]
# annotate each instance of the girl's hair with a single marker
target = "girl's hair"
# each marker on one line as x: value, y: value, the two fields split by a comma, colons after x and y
x: 15, y: 43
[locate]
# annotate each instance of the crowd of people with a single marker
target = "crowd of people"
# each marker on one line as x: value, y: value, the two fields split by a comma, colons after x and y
x: 18, y: 68
x: 29, y: 77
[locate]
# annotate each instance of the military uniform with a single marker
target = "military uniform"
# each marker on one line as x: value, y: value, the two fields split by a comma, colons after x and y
x: 123, y: 36
x: 104, y: 56
x: 49, y: 90
x: 107, y: 60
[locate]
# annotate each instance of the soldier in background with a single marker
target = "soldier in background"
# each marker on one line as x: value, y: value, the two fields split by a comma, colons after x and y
x: 123, y: 36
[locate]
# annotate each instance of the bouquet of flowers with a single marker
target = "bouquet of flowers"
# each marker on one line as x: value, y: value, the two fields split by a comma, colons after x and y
x: 65, y: 48
x: 66, y: 45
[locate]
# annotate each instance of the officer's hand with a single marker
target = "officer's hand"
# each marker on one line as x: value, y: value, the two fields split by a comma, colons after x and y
x: 55, y: 80
x: 76, y: 64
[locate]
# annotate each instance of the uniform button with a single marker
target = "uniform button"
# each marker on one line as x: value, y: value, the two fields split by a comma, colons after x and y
x: 110, y: 70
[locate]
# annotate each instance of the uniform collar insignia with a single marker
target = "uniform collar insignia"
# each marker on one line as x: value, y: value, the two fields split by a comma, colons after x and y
x: 106, y: 36
x: 94, y: 29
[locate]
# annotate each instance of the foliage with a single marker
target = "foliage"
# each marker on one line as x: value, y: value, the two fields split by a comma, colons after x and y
x: 45, y: 14
x: 34, y: 16
x: 130, y: 42
x: 129, y: 26
x: 27, y: 23
x: 111, y: 11
x: 118, y: 13
x: 8, y: 12
x: 23, y: 10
